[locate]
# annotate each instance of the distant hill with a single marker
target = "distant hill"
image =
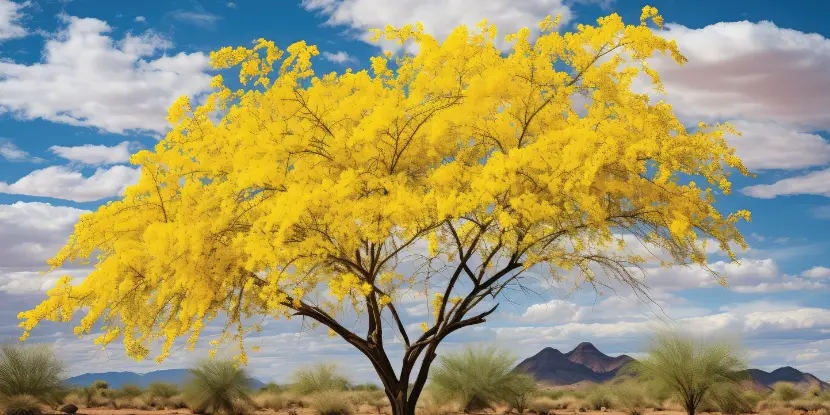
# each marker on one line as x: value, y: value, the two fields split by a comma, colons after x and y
x: 120, y: 379
x: 586, y: 364
x: 583, y: 363
x: 787, y: 374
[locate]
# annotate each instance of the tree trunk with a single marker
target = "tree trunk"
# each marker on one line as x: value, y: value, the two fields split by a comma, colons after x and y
x: 399, y: 403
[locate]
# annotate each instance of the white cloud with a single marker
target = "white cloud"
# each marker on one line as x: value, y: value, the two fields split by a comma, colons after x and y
x: 18, y: 282
x: 768, y: 145
x: 815, y: 183
x: 95, y: 154
x: 63, y: 183
x: 10, y: 17
x: 30, y: 233
x: 231, y: 4
x: 338, y: 57
x: 746, y: 276
x: 439, y: 17
x: 749, y: 71
x: 11, y: 152
x: 140, y: 19
x: 197, y: 17
x: 88, y: 79
x: 817, y: 272
x: 551, y: 312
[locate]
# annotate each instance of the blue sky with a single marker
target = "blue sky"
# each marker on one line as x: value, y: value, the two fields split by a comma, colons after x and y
x: 84, y: 83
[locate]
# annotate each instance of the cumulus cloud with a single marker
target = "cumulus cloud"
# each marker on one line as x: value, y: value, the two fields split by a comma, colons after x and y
x: 64, y: 183
x: 817, y: 272
x: 439, y: 17
x: 10, y: 16
x: 12, y: 153
x: 766, y: 145
x: 338, y: 57
x: 96, y: 154
x: 86, y: 78
x: 814, y: 183
x: 746, y: 276
x: 30, y: 233
x: 140, y: 19
x: 756, y: 72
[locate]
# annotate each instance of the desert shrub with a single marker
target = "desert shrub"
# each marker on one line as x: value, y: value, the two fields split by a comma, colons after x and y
x: 270, y: 400
x: 177, y: 401
x: 806, y: 404
x: 100, y: 384
x: 481, y: 377
x: 131, y: 391
x: 20, y: 405
x: 218, y: 386
x: 823, y: 411
x: 691, y: 369
x: 658, y: 393
x: 550, y: 393
x: 630, y: 397
x: 780, y: 410
x: 379, y: 404
x: 542, y: 404
x: 296, y: 400
x: 31, y: 370
x: 331, y: 402
x: 74, y: 399
x: 767, y: 404
x: 730, y: 404
x: 271, y: 387
x: 599, y: 397
x: 163, y: 389
x: 370, y: 387
x: 752, y: 397
x: 357, y: 398
x: 785, y: 391
x: 320, y: 378
x: 824, y: 396
x: 429, y: 404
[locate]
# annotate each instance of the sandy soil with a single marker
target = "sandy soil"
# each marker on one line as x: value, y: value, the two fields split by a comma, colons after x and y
x: 307, y: 411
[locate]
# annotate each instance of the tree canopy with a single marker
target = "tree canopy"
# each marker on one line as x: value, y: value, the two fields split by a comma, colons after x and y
x: 299, y: 195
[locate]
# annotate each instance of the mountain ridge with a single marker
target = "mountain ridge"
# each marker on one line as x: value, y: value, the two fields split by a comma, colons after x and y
x: 121, y: 379
x: 587, y: 364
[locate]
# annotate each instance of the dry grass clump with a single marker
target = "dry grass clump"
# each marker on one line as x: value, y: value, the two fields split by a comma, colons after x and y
x: 780, y: 410
x: 331, y: 403
x: 320, y: 378
x: 428, y: 404
x: 785, y: 391
x: 21, y: 405
x: 808, y: 405
x: 271, y: 400
x: 542, y: 405
x: 599, y: 398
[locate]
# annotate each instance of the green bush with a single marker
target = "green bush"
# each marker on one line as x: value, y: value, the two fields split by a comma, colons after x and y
x: 599, y: 397
x: 31, y: 370
x: 271, y: 400
x: 702, y: 368
x: 21, y: 405
x: 808, y: 405
x: 785, y: 391
x: 163, y: 389
x: 100, y: 384
x: 331, y: 402
x: 218, y: 386
x: 481, y: 377
x: 131, y: 391
x: 320, y: 378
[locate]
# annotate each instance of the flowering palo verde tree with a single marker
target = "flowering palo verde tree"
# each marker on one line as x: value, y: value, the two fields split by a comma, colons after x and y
x: 316, y: 197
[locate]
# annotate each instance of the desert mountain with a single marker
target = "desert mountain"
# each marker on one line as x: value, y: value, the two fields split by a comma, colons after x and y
x: 787, y: 374
x: 586, y: 364
x: 583, y: 363
x: 121, y: 379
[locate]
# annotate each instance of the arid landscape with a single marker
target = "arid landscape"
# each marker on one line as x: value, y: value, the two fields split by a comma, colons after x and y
x: 414, y: 207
